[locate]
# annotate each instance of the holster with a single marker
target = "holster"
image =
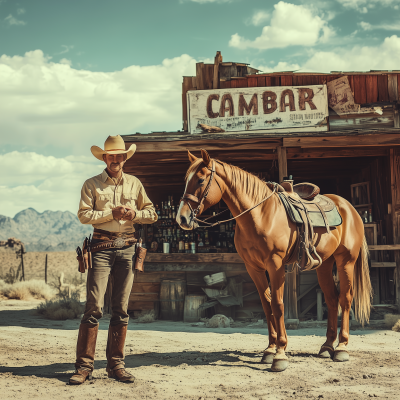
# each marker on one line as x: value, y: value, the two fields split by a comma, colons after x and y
x: 140, y: 256
x: 81, y: 267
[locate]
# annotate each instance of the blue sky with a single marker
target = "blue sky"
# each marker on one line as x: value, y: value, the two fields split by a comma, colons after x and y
x: 73, y: 72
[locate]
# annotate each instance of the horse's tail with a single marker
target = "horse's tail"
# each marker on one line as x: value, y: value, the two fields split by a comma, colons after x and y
x: 362, y: 285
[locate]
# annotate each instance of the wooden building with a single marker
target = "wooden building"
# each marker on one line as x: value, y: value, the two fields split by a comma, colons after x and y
x: 353, y: 152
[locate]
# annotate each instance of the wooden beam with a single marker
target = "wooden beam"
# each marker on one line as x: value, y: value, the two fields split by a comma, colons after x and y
x: 282, y: 163
x: 392, y: 247
x: 304, y: 312
x: 194, y: 258
x: 192, y: 145
x: 343, y: 141
x: 217, y: 61
x: 385, y: 264
x: 296, y: 153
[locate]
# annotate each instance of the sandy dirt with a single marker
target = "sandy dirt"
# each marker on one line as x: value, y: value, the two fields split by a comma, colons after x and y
x: 175, y: 360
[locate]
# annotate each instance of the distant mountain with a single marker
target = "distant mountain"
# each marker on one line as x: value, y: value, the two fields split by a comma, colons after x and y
x: 46, y: 231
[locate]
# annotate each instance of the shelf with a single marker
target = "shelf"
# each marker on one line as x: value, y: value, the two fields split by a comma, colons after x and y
x: 362, y: 205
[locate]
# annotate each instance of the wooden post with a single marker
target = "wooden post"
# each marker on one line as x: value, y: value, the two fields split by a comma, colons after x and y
x: 282, y: 163
x: 217, y: 61
x: 45, y: 270
x: 395, y: 213
x: 290, y: 293
x: 22, y: 265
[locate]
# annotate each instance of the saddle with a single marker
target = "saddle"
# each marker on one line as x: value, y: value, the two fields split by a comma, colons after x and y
x: 308, y: 210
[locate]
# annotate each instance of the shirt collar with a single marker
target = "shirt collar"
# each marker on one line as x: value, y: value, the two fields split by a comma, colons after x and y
x: 105, y: 176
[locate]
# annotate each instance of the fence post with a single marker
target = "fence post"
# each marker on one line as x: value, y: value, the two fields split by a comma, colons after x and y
x: 45, y: 270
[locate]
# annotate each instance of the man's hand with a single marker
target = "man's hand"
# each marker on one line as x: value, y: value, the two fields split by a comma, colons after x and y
x: 119, y: 212
x: 129, y: 215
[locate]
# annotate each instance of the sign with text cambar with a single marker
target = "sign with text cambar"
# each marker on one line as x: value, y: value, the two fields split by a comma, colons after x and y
x: 289, y: 108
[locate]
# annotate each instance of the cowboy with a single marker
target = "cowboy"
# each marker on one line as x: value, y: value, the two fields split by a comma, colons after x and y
x: 112, y: 202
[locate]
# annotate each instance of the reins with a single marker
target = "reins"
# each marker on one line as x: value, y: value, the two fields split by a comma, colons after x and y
x: 186, y: 197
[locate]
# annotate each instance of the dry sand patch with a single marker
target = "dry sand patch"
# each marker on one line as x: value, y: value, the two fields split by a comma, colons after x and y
x: 179, y: 361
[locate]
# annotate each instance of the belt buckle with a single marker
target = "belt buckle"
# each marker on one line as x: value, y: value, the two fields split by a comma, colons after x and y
x: 119, y: 242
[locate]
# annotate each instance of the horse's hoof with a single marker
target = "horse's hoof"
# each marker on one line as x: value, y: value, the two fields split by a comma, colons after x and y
x: 326, y: 352
x: 268, y: 358
x: 279, y: 365
x: 341, y: 356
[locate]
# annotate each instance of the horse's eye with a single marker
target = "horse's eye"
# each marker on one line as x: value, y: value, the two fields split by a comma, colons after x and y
x: 200, y: 181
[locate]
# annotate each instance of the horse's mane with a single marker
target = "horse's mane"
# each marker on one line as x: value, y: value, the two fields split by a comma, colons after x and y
x: 241, y: 181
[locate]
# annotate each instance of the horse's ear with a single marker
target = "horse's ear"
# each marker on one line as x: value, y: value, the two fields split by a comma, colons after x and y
x: 192, y: 158
x: 205, y: 156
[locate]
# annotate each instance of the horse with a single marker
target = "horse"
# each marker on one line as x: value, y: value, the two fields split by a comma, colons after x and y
x: 264, y: 239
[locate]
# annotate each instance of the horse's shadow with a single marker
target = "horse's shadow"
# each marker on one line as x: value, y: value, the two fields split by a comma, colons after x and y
x: 171, y: 359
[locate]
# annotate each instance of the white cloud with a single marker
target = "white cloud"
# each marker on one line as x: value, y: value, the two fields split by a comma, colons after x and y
x: 364, y: 5
x: 34, y: 180
x: 282, y: 66
x: 52, y: 104
x: 290, y: 25
x: 66, y: 48
x: 13, y: 21
x: 356, y: 58
x: 366, y: 26
x: 260, y: 17
x: 21, y: 11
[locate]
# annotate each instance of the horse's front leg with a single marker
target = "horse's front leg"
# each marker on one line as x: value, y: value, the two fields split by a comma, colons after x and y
x: 260, y: 280
x: 277, y: 277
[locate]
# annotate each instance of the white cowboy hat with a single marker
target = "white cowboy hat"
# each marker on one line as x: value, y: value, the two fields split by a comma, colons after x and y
x: 113, y: 145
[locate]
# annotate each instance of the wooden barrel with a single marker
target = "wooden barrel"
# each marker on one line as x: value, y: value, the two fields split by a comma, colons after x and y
x: 191, y: 312
x: 172, y: 298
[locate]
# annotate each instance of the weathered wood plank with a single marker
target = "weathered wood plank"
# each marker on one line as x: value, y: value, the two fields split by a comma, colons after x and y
x: 145, y: 287
x: 371, y: 84
x: 376, y: 264
x: 194, y: 258
x: 158, y: 276
x: 261, y: 81
x: 282, y: 163
x: 199, y: 76
x: 299, y: 153
x: 384, y: 247
x: 339, y: 141
x: 360, y: 94
x: 393, y: 87
x: 383, y: 93
x: 226, y: 143
x: 144, y: 296
x: 287, y: 80
x: 252, y: 82
x: 194, y: 267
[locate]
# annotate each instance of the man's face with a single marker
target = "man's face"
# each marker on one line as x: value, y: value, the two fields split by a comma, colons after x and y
x: 114, y: 162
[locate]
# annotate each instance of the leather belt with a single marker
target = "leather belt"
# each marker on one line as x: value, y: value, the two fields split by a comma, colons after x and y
x: 112, y: 240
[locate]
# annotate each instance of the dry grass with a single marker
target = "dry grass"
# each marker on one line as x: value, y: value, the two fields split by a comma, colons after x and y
x: 27, y: 290
x: 146, y: 317
x: 60, y: 309
x: 392, y: 321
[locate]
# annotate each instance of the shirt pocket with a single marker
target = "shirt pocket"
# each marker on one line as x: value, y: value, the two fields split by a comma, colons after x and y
x: 128, y: 199
x: 104, y: 202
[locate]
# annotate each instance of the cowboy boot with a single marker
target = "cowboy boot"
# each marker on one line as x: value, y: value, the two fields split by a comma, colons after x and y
x: 85, y: 350
x: 115, y: 354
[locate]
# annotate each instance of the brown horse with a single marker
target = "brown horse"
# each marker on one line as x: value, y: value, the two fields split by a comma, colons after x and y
x: 264, y: 238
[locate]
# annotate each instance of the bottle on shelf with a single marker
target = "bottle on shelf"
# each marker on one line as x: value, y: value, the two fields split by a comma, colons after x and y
x: 370, y: 219
x: 365, y: 217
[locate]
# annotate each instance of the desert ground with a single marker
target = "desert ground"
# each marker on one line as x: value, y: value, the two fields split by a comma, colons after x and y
x: 175, y: 360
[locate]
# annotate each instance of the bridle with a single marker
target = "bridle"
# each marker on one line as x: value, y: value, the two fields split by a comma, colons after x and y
x: 193, y: 213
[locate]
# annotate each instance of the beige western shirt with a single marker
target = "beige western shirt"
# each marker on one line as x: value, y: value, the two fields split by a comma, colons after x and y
x: 100, y: 195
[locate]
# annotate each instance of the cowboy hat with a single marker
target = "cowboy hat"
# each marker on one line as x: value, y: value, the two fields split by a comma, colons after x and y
x: 113, y: 145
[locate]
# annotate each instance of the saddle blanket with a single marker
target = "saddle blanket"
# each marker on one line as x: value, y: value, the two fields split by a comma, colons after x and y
x: 333, y: 216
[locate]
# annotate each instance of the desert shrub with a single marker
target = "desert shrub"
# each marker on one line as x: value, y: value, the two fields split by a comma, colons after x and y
x: 60, y: 309
x: 396, y: 326
x: 26, y: 290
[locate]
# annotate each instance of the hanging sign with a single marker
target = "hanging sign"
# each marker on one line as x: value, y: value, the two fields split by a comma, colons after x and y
x: 302, y: 108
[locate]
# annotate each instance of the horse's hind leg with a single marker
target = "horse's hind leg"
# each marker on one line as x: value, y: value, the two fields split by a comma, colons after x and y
x: 261, y: 282
x: 327, y: 284
x: 345, y: 270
